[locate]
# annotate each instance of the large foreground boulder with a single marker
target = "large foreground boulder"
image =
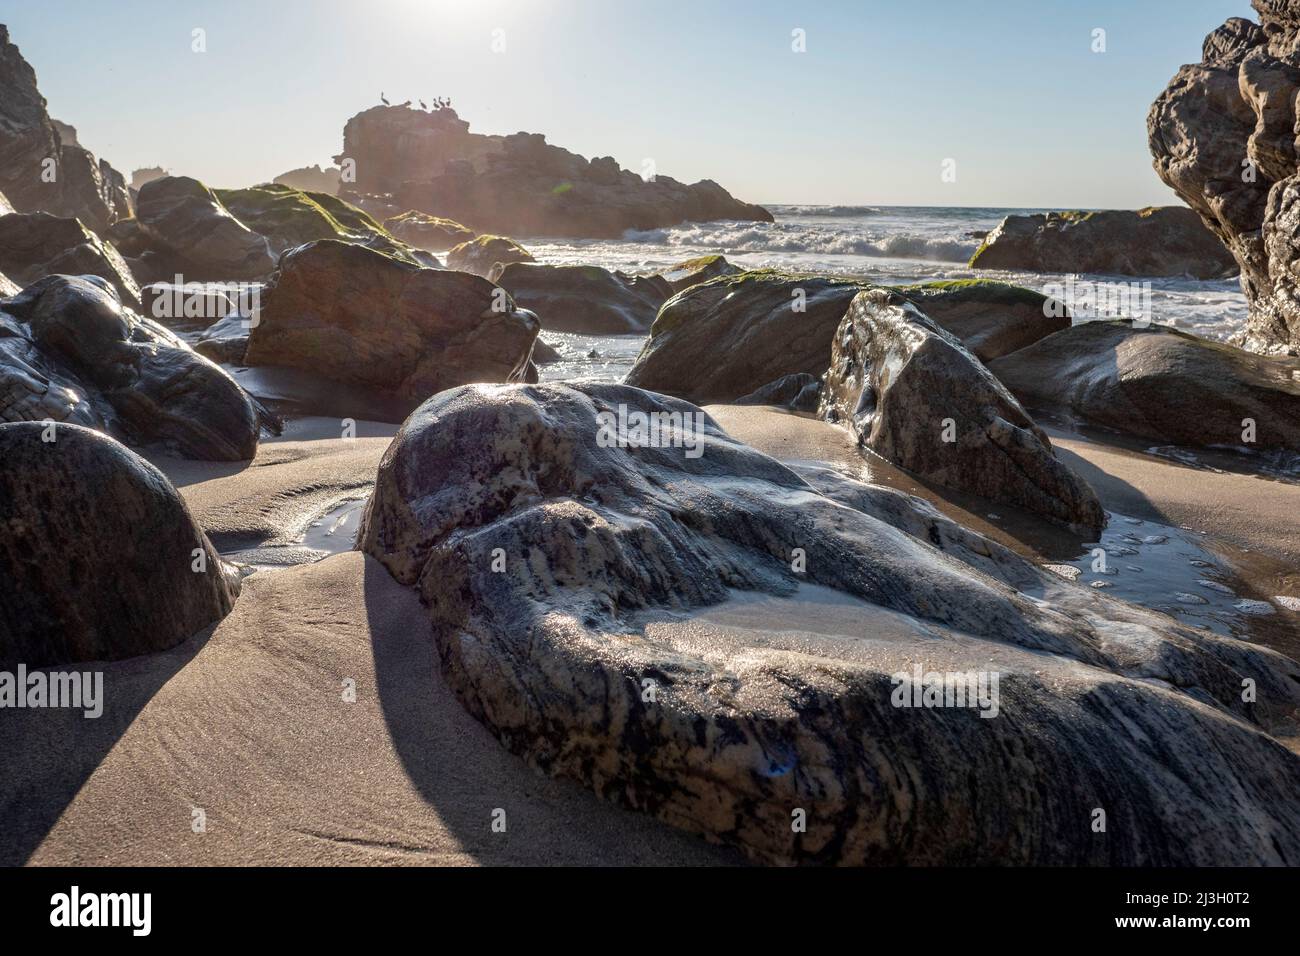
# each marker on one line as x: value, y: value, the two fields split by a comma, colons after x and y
x: 100, y: 557
x: 362, y: 318
x: 517, y: 185
x: 38, y: 170
x: 691, y: 629
x: 184, y: 219
x: 1157, y: 241
x: 586, y: 299
x: 720, y: 340
x: 38, y: 244
x: 482, y: 254
x: 1161, y: 385
x: 1222, y: 136
x: 911, y: 393
x: 69, y: 352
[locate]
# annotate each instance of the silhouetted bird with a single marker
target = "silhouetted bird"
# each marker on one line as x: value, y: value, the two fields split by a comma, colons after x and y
x: 382, y: 98
x: 422, y: 105
x: 407, y: 103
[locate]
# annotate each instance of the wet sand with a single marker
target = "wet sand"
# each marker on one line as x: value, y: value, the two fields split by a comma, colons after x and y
x: 248, y: 722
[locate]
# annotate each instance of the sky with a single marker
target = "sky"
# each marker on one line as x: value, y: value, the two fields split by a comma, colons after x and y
x: 883, y: 93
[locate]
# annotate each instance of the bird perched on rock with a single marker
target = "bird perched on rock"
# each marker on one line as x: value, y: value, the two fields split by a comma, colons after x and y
x: 407, y: 103
x: 423, y: 106
x: 382, y: 98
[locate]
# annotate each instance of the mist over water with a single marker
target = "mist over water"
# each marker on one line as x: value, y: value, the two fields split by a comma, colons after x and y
x: 892, y: 245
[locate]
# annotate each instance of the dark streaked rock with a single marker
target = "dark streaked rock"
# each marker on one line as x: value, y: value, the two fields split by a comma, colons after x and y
x: 799, y: 392
x: 184, y: 219
x: 580, y: 595
x: 989, y: 318
x: 38, y: 244
x: 586, y: 299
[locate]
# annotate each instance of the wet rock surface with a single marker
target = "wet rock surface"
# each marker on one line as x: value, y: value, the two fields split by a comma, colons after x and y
x: 423, y: 231
x: 98, y: 552
x: 1158, y: 241
x: 637, y: 618
x: 482, y: 254
x: 354, y: 316
x: 185, y: 220
x: 1160, y: 384
x: 69, y: 352
x: 911, y: 393
x: 989, y: 318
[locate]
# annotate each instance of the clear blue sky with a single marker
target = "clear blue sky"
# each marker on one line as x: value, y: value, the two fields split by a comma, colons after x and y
x: 886, y: 91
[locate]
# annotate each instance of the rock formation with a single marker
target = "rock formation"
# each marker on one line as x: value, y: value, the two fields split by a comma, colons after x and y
x: 38, y: 171
x: 911, y: 393
x: 691, y: 272
x: 38, y: 244
x: 517, y: 185
x: 358, y: 317
x: 69, y: 352
x: 185, y: 220
x: 586, y: 299
x: 715, y: 641
x: 1161, y: 385
x: 100, y: 557
x: 423, y: 231
x: 799, y: 392
x: 1158, y: 241
x: 482, y: 253
x: 1222, y: 135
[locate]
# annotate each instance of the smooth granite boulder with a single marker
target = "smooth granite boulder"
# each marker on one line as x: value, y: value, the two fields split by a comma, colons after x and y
x: 100, y: 557
x: 693, y: 630
x: 1161, y: 385
x: 38, y: 244
x: 482, y: 253
x: 911, y: 393
x: 1157, y: 241
x: 356, y: 316
x: 726, y: 338
x: 69, y: 352
x: 585, y: 299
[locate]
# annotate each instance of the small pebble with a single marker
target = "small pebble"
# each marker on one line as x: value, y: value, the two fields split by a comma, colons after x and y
x: 1288, y: 602
x: 1184, y: 598
x: 1259, y: 608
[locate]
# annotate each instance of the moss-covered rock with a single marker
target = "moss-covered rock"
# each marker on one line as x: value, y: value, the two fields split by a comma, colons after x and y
x: 423, y: 231
x: 691, y: 272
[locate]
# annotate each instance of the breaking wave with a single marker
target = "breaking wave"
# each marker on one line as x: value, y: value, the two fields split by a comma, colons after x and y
x: 785, y: 237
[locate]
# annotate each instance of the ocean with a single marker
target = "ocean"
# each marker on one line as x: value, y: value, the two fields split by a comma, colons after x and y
x: 892, y: 245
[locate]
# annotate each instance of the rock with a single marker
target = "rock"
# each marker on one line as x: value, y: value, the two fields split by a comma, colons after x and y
x: 38, y: 244
x: 911, y: 393
x: 69, y: 352
x: 800, y: 392
x: 99, y: 552
x: 1221, y: 136
x: 38, y: 171
x: 731, y: 336
x: 683, y: 275
x: 226, y: 340
x: 1159, y: 384
x: 290, y: 217
x: 480, y: 254
x: 544, y: 354
x: 1157, y: 241
x: 585, y: 299
x: 184, y: 218
x: 428, y: 232
x: 989, y: 318
x: 518, y: 184
x: 197, y: 305
x: 312, y: 179
x: 362, y: 318
x: 629, y: 618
